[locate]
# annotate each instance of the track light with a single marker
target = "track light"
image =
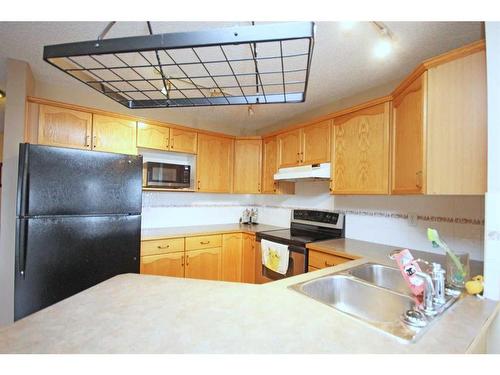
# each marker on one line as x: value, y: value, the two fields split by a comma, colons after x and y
x: 385, y: 45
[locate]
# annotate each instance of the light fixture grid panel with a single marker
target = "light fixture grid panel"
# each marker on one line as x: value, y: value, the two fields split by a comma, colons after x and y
x: 253, y: 72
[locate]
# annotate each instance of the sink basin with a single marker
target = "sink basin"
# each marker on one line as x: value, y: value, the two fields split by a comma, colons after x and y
x: 383, y: 276
x: 359, y: 299
x: 376, y: 295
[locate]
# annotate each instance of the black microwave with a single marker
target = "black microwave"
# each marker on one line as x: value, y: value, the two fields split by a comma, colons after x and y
x: 172, y: 176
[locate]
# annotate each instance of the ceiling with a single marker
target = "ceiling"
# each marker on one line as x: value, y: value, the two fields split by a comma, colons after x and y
x: 343, y: 64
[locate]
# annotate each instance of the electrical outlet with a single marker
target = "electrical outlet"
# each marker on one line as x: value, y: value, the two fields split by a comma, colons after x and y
x: 412, y: 219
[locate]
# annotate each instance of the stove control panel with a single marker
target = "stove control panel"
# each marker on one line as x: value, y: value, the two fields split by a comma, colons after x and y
x: 313, y: 216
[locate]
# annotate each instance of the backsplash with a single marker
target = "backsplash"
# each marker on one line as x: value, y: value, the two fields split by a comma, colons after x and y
x: 381, y: 219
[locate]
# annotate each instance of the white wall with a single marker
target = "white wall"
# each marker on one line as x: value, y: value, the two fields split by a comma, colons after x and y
x: 492, y: 248
x: 382, y: 219
x: 19, y: 84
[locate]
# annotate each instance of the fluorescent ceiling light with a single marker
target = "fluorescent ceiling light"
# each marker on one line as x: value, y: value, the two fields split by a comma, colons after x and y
x: 383, y: 48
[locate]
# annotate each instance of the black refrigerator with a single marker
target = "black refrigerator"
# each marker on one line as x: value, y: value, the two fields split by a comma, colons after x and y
x: 78, y: 222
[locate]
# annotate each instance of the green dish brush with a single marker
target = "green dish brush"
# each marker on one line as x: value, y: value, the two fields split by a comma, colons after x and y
x: 433, y: 236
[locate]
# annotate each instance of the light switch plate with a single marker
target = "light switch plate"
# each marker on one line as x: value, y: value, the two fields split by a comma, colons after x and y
x: 412, y: 219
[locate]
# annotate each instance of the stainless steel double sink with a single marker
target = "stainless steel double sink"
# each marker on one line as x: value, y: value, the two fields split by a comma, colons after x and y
x: 373, y: 293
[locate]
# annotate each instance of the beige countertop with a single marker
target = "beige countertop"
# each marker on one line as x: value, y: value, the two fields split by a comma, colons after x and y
x: 199, y: 230
x: 153, y: 314
x: 380, y: 253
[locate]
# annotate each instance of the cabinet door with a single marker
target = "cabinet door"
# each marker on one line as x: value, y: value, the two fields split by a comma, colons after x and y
x: 316, y: 143
x: 113, y: 134
x: 153, y: 136
x: 183, y: 141
x: 204, y: 264
x: 64, y: 127
x: 248, y: 274
x: 408, y: 129
x: 232, y: 256
x: 247, y: 166
x: 269, y: 165
x: 361, y: 151
x: 171, y: 264
x: 214, y: 164
x: 289, y: 150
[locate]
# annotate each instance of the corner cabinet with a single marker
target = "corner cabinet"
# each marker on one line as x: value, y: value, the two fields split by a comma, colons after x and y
x: 408, y: 130
x: 114, y: 134
x: 64, y: 127
x: 247, y: 166
x: 270, y: 167
x: 308, y: 145
x: 232, y: 256
x: 361, y: 151
x: 439, y: 130
x: 214, y: 164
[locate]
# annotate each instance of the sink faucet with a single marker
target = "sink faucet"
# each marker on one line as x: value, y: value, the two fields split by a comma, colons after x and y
x: 434, y: 288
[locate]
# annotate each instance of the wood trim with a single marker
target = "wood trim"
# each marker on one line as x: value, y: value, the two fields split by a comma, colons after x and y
x: 95, y: 111
x: 443, y: 58
x: 330, y: 116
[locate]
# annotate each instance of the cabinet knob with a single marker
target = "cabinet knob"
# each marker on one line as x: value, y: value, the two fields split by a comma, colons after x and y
x: 187, y: 260
x: 95, y: 141
x: 418, y: 176
x: 198, y: 184
x: 182, y: 260
x: 328, y: 264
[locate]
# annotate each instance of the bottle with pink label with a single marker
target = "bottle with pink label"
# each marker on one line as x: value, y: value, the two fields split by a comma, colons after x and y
x: 409, y: 268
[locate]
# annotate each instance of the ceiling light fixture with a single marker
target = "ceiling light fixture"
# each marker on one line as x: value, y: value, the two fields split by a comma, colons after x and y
x: 385, y: 45
x: 347, y: 25
x: 2, y: 94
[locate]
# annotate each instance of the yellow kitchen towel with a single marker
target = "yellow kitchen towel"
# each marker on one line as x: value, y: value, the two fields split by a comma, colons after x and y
x: 275, y: 256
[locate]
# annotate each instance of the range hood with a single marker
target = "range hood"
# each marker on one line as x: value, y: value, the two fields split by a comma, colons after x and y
x: 304, y: 173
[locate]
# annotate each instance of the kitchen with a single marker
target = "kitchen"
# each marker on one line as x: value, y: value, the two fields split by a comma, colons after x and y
x: 230, y: 226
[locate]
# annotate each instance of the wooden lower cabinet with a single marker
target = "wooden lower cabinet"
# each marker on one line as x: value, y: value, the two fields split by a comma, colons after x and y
x: 318, y: 259
x: 248, y: 273
x: 204, y: 264
x: 232, y: 257
x: 171, y: 264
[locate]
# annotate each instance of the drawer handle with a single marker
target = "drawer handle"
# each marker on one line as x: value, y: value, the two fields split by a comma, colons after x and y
x: 328, y: 264
x: 204, y: 242
x: 182, y: 260
x: 187, y: 260
x: 163, y: 247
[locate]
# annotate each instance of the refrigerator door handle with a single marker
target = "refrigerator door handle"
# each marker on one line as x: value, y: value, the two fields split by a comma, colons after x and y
x: 21, y: 246
x: 23, y: 180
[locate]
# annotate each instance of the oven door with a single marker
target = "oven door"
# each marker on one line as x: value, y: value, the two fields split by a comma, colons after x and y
x: 168, y: 175
x: 297, y: 264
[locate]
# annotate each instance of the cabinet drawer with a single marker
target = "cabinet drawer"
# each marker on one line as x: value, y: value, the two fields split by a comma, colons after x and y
x: 322, y: 260
x: 203, y: 242
x: 169, y: 245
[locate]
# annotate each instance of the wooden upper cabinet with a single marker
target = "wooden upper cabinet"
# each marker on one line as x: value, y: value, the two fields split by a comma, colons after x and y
x: 204, y: 264
x: 232, y: 257
x: 408, y: 130
x: 316, y: 143
x: 456, y: 126
x: 214, y: 164
x: 113, y: 134
x: 361, y: 151
x: 153, y: 136
x: 247, y: 166
x: 289, y: 148
x: 64, y: 127
x: 183, y: 141
x: 308, y: 145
